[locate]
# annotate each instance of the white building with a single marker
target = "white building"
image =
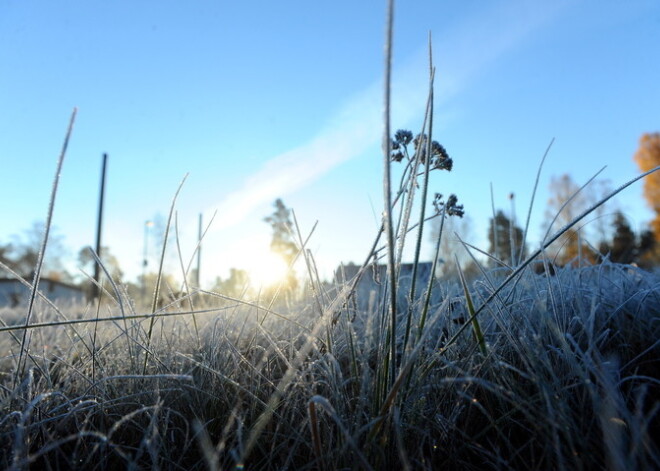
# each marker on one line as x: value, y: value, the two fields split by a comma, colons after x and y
x: 13, y: 293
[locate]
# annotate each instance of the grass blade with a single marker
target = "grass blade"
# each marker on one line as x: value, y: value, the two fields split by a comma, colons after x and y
x: 154, y: 304
x: 478, y: 334
x: 387, y: 190
x: 25, y: 342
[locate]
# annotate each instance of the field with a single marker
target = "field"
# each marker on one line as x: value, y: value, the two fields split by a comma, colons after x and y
x: 505, y: 369
x: 568, y: 380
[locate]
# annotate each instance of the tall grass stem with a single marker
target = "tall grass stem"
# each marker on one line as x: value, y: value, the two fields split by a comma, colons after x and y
x: 25, y: 342
x: 154, y: 304
x: 387, y: 190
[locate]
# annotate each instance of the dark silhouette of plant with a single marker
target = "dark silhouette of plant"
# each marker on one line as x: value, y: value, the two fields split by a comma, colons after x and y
x: 451, y: 206
x: 439, y: 157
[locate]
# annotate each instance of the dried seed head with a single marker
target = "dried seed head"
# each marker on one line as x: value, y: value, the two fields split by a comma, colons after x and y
x: 403, y: 137
x: 451, y: 208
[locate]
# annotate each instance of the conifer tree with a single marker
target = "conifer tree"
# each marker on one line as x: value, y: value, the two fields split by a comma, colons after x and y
x: 282, y: 242
x: 501, y: 232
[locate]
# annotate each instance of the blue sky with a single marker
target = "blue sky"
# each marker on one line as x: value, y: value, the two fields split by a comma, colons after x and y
x: 259, y: 100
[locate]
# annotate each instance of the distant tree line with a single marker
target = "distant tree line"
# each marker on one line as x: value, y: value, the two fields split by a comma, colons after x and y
x: 21, y: 254
x: 623, y: 245
x: 605, y: 235
x: 615, y: 240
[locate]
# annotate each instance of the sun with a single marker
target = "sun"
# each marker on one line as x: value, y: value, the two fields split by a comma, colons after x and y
x: 266, y: 268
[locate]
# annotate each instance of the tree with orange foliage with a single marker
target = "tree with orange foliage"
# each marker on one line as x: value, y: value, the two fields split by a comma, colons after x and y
x: 647, y: 157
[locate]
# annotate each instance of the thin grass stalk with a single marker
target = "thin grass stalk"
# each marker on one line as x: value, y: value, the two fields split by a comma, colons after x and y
x: 267, y: 310
x: 393, y: 392
x: 313, y: 282
x: 115, y: 288
x: 373, y: 253
x: 281, y: 283
x: 404, y: 190
x: 44, y: 298
x: 184, y: 272
x: 350, y: 290
x: 478, y: 334
x: 512, y: 230
x: 568, y: 201
x: 154, y: 303
x: 404, y: 220
x: 410, y: 229
x: 350, y: 335
x: 491, y: 285
x: 545, y: 244
x: 427, y: 299
x: 303, y: 246
x: 383, y: 367
x: 387, y: 190
x: 266, y: 415
x: 308, y: 265
x: 422, y: 211
x: 316, y: 435
x: 245, y: 390
x: 404, y: 215
x: 350, y: 441
x: 197, y: 248
x: 501, y: 301
x: 11, y: 329
x: 403, y: 456
x: 402, y: 199
x: 27, y: 284
x: 291, y: 373
x: 495, y: 231
x: 405, y: 176
x: 323, y: 295
x: 41, y: 325
x: 199, y: 242
x: 531, y: 203
x: 26, y: 461
x: 25, y: 341
x: 208, y: 450
x: 484, y: 253
x: 119, y: 301
x: 94, y: 337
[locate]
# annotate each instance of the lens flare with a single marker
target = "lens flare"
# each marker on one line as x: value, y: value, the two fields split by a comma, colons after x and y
x: 266, y: 268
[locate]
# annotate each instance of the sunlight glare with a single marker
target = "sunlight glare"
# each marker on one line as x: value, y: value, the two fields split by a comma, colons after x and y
x: 266, y: 269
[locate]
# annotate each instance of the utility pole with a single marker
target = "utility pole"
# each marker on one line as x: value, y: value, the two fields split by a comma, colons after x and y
x: 99, y: 224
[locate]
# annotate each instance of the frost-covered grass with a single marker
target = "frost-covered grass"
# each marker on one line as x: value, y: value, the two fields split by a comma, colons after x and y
x: 570, y: 380
x: 512, y: 370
